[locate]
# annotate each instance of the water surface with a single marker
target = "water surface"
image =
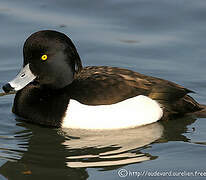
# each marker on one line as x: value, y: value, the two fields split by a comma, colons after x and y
x: 161, y: 38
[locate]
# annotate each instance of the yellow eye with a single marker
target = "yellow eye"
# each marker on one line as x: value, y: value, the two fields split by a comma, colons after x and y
x: 44, y: 57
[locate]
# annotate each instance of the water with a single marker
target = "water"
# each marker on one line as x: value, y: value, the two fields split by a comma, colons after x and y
x: 161, y: 38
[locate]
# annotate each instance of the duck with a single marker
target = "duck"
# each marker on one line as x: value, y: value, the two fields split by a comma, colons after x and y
x: 54, y: 89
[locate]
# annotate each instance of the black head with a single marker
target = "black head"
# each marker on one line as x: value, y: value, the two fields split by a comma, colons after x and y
x: 51, y: 58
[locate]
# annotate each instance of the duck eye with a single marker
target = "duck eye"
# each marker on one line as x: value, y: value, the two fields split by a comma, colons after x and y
x: 44, y: 57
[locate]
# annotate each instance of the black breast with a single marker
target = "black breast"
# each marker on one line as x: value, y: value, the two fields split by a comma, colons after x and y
x: 41, y: 106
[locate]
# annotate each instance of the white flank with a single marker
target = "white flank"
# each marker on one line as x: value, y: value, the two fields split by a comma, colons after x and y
x: 136, y: 111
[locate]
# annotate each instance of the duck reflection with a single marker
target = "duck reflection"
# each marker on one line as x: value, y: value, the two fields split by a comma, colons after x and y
x: 111, y: 147
x: 66, y: 153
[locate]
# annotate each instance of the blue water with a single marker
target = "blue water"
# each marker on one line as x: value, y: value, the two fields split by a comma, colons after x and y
x: 161, y: 38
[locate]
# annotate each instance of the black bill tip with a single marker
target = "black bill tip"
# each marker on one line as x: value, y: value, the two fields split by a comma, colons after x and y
x: 7, y: 88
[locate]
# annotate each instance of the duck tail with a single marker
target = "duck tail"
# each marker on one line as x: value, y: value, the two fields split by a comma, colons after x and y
x: 176, y: 101
x: 201, y: 113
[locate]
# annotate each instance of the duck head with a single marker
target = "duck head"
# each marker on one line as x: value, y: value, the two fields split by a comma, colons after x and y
x: 50, y: 58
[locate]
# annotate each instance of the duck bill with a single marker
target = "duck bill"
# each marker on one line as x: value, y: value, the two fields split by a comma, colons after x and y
x: 24, y: 77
